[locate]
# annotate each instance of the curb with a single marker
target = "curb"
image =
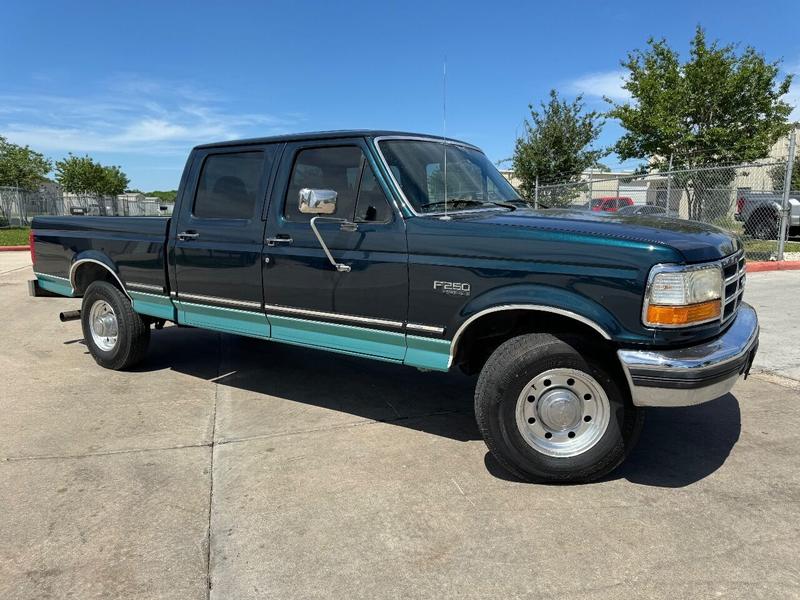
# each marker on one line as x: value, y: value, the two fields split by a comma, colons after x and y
x: 14, y: 248
x: 773, y: 265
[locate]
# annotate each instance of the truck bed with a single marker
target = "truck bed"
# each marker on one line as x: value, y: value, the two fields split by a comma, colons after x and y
x: 134, y: 245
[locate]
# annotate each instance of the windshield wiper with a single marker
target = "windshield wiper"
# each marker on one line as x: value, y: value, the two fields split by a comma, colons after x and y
x: 461, y: 202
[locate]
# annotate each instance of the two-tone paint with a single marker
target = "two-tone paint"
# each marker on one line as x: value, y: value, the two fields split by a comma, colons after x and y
x: 242, y: 276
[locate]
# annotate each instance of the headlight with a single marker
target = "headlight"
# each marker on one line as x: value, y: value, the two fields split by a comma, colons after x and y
x: 678, y: 296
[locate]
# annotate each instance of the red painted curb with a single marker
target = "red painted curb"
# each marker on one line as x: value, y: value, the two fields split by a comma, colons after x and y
x: 773, y: 265
x: 14, y: 248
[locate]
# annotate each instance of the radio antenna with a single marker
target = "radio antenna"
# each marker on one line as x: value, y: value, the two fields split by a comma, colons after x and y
x: 444, y: 131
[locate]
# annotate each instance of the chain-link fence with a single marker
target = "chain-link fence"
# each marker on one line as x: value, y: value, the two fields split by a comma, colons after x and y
x: 18, y: 206
x: 747, y: 199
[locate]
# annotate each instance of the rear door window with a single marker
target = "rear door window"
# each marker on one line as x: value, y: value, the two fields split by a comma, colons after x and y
x: 228, y: 186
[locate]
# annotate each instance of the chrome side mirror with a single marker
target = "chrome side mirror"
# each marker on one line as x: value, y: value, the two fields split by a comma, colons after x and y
x: 316, y: 201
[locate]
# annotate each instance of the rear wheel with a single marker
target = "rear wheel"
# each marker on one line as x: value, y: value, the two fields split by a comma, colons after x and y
x: 550, y: 415
x: 117, y: 336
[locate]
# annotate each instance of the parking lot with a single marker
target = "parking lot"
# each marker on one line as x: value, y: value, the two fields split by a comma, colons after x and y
x: 238, y: 468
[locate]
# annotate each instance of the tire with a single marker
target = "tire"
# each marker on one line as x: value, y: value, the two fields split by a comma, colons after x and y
x: 763, y: 225
x: 590, y: 420
x: 105, y: 309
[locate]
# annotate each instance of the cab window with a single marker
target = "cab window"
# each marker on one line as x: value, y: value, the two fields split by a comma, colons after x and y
x: 345, y: 170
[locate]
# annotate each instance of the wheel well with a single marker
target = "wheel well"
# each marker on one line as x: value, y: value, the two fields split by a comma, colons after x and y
x: 763, y: 213
x: 88, y: 272
x: 485, y: 334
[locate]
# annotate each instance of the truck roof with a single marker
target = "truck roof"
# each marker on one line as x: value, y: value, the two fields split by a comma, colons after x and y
x: 324, y: 135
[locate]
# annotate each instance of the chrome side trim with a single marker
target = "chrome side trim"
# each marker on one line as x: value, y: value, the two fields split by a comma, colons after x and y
x: 538, y: 307
x: 329, y: 315
x: 74, y: 268
x: 37, y: 273
x: 425, y: 328
x: 148, y: 294
x: 146, y: 286
x: 218, y: 300
x: 376, y: 143
x: 238, y: 310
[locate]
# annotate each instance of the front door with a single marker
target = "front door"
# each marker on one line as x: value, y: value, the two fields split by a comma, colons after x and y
x: 220, y: 228
x: 308, y: 301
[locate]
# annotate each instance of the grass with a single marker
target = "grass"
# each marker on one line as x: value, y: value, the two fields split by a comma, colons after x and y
x: 768, y: 246
x: 14, y: 236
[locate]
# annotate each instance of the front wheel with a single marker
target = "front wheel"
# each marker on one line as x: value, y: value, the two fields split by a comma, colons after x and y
x: 548, y: 414
x: 117, y: 336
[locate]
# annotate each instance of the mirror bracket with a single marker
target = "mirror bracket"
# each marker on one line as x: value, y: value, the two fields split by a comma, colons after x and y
x: 344, y: 225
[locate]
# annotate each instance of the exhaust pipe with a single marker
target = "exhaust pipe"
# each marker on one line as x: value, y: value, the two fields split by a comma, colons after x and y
x: 69, y: 315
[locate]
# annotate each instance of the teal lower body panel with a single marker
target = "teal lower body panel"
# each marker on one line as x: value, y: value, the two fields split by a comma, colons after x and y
x: 427, y: 353
x: 153, y: 305
x: 391, y: 346
x: 218, y: 318
x: 361, y: 341
x: 57, y: 285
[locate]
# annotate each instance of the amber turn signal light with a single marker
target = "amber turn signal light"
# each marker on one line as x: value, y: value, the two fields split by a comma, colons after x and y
x: 684, y: 315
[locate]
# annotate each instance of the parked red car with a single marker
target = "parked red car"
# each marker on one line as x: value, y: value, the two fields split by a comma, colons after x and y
x: 609, y: 203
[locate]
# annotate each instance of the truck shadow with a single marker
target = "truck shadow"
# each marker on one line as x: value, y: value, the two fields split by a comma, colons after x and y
x: 677, y: 447
x: 280, y: 386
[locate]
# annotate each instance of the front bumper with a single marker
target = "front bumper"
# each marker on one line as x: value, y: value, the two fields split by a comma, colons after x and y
x: 696, y: 374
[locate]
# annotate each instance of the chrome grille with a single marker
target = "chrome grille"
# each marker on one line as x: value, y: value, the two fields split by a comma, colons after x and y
x: 733, y: 270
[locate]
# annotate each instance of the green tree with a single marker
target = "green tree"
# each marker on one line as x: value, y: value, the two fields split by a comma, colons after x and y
x: 718, y: 107
x: 165, y: 196
x: 20, y: 166
x: 83, y: 175
x: 556, y: 147
x: 112, y: 182
x: 778, y: 176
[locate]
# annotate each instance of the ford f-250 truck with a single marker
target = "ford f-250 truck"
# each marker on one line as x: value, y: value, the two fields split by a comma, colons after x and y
x: 415, y: 250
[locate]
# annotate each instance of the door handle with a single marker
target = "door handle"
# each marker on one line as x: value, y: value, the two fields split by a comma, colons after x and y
x: 280, y: 239
x: 188, y: 235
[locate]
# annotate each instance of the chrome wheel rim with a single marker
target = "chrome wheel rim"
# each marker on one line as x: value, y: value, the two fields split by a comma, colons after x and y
x: 562, y: 412
x: 103, y: 325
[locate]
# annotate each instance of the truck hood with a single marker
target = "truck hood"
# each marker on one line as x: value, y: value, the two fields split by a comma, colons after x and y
x: 697, y: 242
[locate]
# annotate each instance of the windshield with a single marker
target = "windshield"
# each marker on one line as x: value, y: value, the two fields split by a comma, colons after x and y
x: 419, y: 166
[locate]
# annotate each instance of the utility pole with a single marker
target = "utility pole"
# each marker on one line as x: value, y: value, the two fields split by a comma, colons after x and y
x: 669, y: 186
x: 591, y: 181
x: 787, y: 184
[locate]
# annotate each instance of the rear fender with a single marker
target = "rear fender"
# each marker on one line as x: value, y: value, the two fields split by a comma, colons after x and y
x: 84, y: 260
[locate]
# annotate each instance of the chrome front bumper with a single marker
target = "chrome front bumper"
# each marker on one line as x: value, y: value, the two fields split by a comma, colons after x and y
x: 695, y: 374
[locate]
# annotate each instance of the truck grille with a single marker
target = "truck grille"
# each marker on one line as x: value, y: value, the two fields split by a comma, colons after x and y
x: 733, y: 272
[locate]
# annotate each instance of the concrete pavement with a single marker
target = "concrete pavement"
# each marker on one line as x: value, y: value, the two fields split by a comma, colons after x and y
x: 222, y: 468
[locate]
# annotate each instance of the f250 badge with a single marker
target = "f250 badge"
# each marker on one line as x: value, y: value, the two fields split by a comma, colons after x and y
x: 452, y: 288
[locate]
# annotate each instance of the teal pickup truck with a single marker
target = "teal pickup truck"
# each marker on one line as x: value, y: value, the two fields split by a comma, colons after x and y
x: 413, y: 249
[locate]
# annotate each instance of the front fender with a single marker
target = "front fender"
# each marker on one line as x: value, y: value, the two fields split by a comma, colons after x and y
x: 543, y: 298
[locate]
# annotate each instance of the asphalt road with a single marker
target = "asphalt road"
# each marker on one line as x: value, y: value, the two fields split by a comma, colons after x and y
x: 231, y: 468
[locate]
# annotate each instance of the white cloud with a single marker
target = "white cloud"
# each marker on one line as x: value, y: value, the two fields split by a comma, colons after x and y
x: 601, y: 84
x: 131, y: 115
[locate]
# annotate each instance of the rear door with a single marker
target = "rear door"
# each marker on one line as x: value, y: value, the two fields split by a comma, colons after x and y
x: 307, y: 299
x: 219, y: 235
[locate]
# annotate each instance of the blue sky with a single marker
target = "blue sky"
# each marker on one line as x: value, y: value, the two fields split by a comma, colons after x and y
x: 139, y: 83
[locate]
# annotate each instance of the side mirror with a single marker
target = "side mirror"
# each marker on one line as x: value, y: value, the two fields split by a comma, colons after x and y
x: 316, y: 201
